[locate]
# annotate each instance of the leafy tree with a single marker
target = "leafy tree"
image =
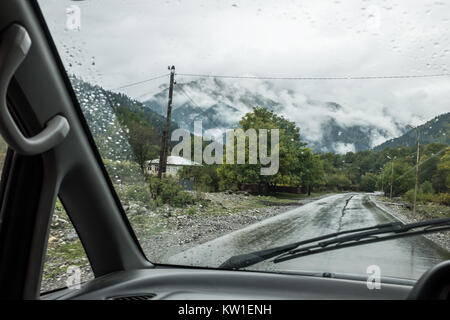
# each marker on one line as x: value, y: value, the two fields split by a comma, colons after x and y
x: 292, y: 153
x: 205, y: 177
x: 426, y: 187
x: 368, y: 182
x: 144, y: 139
x: 314, y: 174
x: 401, y: 180
x: 427, y: 167
x: 441, y: 179
x: 338, y: 181
x: 433, y: 148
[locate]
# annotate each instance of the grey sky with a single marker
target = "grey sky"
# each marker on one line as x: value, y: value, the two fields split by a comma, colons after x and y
x: 126, y: 41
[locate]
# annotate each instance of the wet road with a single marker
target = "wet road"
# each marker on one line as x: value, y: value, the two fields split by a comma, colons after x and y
x: 404, y: 258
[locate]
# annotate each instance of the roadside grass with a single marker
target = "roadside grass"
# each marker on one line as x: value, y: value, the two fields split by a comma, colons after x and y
x: 280, y: 196
x: 241, y: 202
x: 229, y: 206
x: 424, y: 211
x: 145, y: 225
x: 61, y: 256
x: 64, y: 249
x: 433, y: 210
x: 213, y: 204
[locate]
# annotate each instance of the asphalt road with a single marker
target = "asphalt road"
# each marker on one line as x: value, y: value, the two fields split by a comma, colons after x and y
x: 400, y: 258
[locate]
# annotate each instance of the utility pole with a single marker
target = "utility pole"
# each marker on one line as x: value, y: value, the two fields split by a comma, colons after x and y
x: 382, y: 182
x: 392, y: 179
x: 392, y: 173
x: 417, y: 171
x: 166, y: 132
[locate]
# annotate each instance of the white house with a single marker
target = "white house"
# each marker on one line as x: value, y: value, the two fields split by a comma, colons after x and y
x: 174, y: 163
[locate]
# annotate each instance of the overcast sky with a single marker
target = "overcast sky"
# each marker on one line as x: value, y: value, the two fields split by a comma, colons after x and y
x: 123, y: 41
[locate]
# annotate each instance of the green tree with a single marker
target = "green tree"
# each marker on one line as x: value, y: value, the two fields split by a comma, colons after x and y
x: 205, y: 177
x: 292, y: 153
x: 368, y: 182
x: 145, y: 141
x: 427, y: 187
x: 441, y: 179
x: 314, y: 174
x: 401, y: 180
x: 338, y: 181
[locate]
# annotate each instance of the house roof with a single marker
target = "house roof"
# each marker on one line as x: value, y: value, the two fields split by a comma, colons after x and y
x: 176, y: 161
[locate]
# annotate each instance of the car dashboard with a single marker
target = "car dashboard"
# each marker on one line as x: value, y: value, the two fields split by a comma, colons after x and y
x: 166, y: 283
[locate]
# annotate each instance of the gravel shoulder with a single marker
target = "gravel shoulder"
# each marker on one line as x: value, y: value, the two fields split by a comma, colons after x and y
x: 190, y: 231
x: 401, y: 211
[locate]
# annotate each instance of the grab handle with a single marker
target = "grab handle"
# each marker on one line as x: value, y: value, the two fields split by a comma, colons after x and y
x: 14, y: 46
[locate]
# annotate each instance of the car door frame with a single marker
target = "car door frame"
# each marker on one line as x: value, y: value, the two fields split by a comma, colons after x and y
x: 73, y: 170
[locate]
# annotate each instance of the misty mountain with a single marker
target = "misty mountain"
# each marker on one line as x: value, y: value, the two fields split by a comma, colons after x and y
x: 220, y: 106
x: 435, y: 130
x: 325, y: 126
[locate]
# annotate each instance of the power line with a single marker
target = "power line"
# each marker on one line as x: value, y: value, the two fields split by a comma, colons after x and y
x: 187, y: 96
x: 285, y: 78
x: 142, y: 81
x: 195, y: 104
x: 151, y: 92
x: 315, y: 78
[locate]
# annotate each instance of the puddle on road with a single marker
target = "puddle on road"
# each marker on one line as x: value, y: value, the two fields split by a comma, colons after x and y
x: 406, y: 258
x: 290, y: 228
x: 382, y: 215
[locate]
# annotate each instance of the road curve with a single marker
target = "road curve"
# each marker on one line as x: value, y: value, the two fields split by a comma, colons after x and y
x: 405, y: 258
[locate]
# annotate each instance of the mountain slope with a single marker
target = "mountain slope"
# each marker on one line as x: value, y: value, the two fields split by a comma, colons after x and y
x: 435, y: 130
x: 100, y: 109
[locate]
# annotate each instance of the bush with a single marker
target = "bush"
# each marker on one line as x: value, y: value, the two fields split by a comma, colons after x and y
x: 422, y: 197
x: 368, y: 182
x: 442, y: 198
x: 409, y: 196
x: 123, y: 171
x: 169, y: 191
x: 427, y: 187
x: 338, y: 181
x: 134, y: 192
x: 138, y: 192
x: 205, y: 177
x: 190, y: 211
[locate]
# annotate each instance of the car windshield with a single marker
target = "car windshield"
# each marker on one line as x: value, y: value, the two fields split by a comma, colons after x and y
x: 228, y: 127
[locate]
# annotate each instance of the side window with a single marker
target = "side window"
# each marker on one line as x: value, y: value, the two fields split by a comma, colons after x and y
x: 66, y: 263
x: 3, y: 150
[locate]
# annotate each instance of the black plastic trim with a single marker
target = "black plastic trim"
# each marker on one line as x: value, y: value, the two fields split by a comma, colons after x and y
x: 83, y: 121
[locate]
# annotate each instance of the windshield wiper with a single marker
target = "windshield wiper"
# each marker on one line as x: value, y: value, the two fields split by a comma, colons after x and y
x: 245, y: 260
x: 365, y: 237
x: 353, y: 237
